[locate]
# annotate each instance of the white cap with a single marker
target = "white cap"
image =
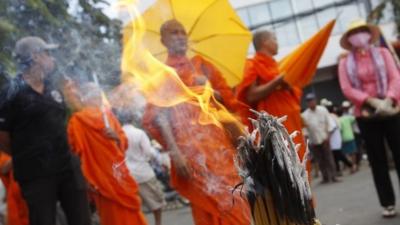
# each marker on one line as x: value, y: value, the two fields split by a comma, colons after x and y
x: 26, y: 46
x: 346, y: 104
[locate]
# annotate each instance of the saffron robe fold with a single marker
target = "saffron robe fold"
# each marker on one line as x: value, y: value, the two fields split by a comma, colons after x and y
x: 208, y: 151
x: 102, y: 162
x: 189, y: 69
x: 263, y: 69
x: 17, y: 210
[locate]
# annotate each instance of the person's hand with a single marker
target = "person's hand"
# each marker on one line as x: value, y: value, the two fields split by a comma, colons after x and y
x: 376, y: 103
x: 281, y: 84
x: 218, y: 96
x: 388, y: 108
x: 182, y: 168
x: 110, y: 133
x: 393, y: 110
x: 200, y: 80
x: 285, y: 86
x: 5, y: 169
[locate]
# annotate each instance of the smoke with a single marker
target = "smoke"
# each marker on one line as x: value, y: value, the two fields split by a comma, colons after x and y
x: 210, y: 156
x: 79, y: 57
x: 192, y: 118
x: 88, y: 44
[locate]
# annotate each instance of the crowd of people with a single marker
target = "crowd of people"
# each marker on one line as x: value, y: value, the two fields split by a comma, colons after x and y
x: 68, y: 148
x: 369, y: 78
x: 337, y: 148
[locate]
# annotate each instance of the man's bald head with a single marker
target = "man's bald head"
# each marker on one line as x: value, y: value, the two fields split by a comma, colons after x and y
x: 174, y: 37
x: 91, y: 94
x: 168, y: 25
x: 264, y: 40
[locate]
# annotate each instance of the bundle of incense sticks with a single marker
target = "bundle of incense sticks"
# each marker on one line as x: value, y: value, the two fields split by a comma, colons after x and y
x: 274, y: 178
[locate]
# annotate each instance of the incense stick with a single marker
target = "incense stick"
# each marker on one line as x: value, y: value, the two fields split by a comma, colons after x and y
x: 102, y: 107
x: 279, y: 192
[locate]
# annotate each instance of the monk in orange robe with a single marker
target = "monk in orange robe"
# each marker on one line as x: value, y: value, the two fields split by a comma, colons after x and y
x: 203, y: 71
x: 264, y: 89
x: 202, y: 155
x: 17, y: 210
x: 101, y: 150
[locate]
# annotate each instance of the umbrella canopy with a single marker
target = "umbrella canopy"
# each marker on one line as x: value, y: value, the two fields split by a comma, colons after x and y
x: 301, y: 64
x: 215, y: 32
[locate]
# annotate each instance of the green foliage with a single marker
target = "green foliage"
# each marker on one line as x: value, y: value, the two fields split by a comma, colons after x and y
x: 89, y: 40
x: 377, y: 13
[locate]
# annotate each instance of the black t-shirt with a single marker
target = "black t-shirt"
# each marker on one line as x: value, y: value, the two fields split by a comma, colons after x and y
x: 37, y: 127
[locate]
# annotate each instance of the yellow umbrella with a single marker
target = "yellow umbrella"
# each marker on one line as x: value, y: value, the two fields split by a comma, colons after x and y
x: 301, y: 64
x: 215, y: 32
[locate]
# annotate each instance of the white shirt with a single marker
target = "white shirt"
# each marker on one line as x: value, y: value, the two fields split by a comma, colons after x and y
x: 336, y: 137
x: 318, y: 124
x: 139, y: 153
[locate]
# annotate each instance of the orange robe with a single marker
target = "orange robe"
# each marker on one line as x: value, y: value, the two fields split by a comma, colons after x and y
x: 17, y: 210
x: 197, y: 66
x: 102, y: 162
x: 264, y: 69
x: 209, y: 154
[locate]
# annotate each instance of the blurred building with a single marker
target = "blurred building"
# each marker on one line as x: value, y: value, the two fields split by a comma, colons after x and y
x: 294, y: 21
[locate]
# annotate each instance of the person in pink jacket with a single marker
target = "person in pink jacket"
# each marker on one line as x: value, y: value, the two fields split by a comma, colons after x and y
x: 370, y: 79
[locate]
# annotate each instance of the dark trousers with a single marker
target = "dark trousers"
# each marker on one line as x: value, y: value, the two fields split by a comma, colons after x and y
x: 323, y: 155
x: 360, y: 148
x: 374, y: 132
x: 339, y: 156
x: 68, y: 188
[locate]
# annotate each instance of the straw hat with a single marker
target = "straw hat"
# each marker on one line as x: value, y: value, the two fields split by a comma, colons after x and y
x: 356, y: 24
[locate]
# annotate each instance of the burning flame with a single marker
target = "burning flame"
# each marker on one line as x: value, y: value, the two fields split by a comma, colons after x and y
x: 159, y: 83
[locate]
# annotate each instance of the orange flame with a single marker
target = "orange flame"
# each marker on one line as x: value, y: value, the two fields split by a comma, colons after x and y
x: 159, y: 83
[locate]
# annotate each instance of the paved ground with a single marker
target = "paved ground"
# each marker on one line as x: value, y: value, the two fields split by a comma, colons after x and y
x: 351, y: 202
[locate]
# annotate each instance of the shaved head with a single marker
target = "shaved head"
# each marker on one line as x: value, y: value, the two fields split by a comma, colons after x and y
x: 259, y: 37
x: 168, y: 25
x: 174, y: 37
x: 91, y: 94
x: 265, y: 40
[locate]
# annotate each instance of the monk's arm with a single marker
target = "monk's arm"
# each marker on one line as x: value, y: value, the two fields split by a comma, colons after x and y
x: 257, y: 92
x: 5, y: 145
x: 166, y: 132
x: 112, y: 134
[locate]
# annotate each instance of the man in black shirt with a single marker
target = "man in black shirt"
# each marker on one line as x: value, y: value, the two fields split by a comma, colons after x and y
x: 33, y: 132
